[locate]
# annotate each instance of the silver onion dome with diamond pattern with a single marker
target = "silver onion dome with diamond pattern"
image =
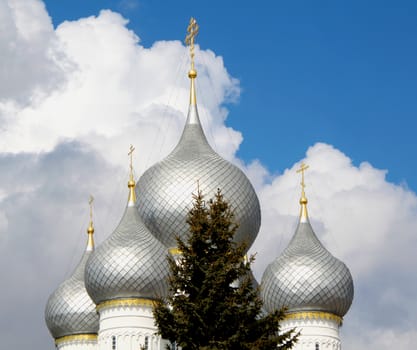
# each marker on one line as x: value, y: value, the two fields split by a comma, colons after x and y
x: 166, y: 188
x: 307, y: 277
x: 70, y: 310
x: 131, y: 263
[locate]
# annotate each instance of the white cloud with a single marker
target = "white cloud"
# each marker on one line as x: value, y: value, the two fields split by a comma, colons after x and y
x: 32, y: 60
x: 88, y: 89
x: 117, y: 88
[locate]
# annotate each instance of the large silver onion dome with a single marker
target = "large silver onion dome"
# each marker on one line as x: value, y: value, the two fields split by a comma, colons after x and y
x: 306, y: 277
x: 70, y: 310
x: 166, y: 188
x: 131, y: 263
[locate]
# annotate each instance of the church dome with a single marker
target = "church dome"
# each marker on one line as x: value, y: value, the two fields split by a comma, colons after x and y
x: 131, y: 263
x: 307, y: 277
x: 167, y: 187
x: 70, y: 310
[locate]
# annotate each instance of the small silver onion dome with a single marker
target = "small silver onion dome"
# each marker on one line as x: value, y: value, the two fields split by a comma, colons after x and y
x: 306, y: 277
x: 167, y: 187
x: 70, y: 310
x: 131, y: 263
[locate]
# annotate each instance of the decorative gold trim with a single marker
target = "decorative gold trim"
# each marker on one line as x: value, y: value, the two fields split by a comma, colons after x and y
x: 125, y: 302
x: 174, y: 251
x: 76, y: 337
x: 193, y: 96
x: 314, y: 315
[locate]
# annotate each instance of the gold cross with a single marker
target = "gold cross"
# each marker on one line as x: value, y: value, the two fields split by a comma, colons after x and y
x: 302, y: 169
x: 130, y: 153
x: 90, y: 202
x: 192, y: 31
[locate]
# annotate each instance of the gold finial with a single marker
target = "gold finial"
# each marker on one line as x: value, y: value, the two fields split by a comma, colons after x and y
x: 131, y: 184
x: 90, y: 229
x: 303, y: 199
x: 192, y: 31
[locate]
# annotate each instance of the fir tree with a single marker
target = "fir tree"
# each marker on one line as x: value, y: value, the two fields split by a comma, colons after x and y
x: 212, y: 303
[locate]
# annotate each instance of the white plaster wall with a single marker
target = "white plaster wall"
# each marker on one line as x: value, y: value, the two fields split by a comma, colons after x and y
x: 323, y: 332
x: 130, y: 325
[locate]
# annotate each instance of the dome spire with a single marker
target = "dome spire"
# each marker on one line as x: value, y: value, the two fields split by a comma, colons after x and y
x: 90, y: 229
x: 166, y: 186
x: 192, y: 31
x: 131, y: 184
x: 303, y: 199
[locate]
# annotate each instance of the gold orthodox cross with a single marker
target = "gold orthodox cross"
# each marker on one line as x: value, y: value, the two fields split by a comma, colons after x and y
x: 302, y: 169
x: 192, y: 31
x: 90, y: 202
x: 130, y: 153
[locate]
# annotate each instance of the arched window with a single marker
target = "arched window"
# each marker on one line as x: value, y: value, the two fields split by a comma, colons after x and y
x: 146, y: 345
x: 317, y: 346
x: 113, y: 342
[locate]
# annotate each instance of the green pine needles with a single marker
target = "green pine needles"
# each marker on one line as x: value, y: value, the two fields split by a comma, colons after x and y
x: 212, y: 303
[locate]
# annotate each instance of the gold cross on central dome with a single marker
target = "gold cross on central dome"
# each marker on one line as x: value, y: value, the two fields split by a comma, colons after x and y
x: 192, y: 31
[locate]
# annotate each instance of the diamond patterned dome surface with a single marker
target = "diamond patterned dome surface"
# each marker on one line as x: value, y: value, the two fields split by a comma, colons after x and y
x: 166, y: 188
x: 307, y: 277
x: 69, y: 309
x: 131, y: 263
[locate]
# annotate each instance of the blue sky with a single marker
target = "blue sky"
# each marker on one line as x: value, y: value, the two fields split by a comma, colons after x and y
x: 340, y: 72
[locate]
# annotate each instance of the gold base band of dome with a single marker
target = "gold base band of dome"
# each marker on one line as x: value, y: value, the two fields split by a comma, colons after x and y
x: 76, y: 337
x: 314, y: 315
x: 125, y: 302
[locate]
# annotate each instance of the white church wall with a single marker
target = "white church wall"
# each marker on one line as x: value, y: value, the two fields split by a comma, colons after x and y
x: 128, y: 327
x: 316, y: 333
